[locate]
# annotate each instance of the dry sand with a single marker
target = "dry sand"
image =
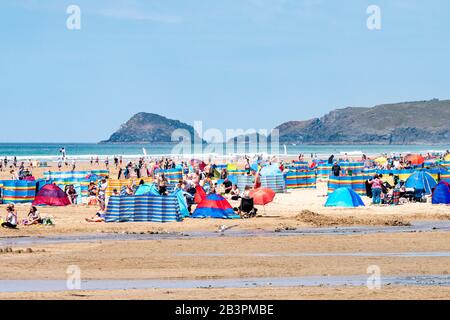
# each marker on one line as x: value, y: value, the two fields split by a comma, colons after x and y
x: 188, y: 258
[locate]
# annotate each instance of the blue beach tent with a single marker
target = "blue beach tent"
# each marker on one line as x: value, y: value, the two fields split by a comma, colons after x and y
x: 344, y: 197
x: 441, y: 194
x: 421, y: 180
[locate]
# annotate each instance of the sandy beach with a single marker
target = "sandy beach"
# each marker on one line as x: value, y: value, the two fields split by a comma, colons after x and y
x: 274, y: 245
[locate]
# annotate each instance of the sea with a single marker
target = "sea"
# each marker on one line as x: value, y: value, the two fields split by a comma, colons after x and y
x: 84, y: 151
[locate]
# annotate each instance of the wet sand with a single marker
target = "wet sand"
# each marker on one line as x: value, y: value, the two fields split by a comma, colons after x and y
x: 294, y: 293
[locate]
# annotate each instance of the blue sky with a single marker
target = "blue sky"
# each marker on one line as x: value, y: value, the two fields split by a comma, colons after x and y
x: 230, y: 63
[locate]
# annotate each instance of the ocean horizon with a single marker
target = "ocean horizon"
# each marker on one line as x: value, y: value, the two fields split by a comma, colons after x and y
x: 84, y: 151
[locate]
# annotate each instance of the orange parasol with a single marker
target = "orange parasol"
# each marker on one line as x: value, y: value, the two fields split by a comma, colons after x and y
x: 415, y: 159
x: 262, y: 196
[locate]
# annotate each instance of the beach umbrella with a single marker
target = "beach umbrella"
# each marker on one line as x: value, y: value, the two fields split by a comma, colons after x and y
x: 415, y: 159
x: 447, y: 157
x: 380, y: 160
x: 262, y: 196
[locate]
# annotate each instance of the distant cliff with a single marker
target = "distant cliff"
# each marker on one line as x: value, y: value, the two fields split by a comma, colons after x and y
x: 402, y: 123
x: 149, y: 128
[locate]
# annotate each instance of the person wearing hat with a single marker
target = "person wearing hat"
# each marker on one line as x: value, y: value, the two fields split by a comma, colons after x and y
x: 336, y: 169
x: 11, y: 217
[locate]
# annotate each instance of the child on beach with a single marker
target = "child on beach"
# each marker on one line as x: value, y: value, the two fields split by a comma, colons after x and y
x: 11, y: 217
x: 33, y: 217
x: 14, y: 175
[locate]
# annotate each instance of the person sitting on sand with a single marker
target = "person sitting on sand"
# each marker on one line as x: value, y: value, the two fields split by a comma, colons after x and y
x: 33, y: 217
x: 213, y: 189
x: 72, y: 194
x: 228, y: 185
x: 206, y: 184
x: 129, y: 190
x: 92, y: 189
x: 246, y: 208
x: 99, y: 217
x: 11, y: 217
x: 235, y: 192
x: 223, y: 174
x: 14, y: 175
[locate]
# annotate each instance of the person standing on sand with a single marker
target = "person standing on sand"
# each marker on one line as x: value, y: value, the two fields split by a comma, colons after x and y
x: 162, y: 184
x: 376, y: 189
x: 63, y: 152
x: 102, y: 194
x: 336, y: 169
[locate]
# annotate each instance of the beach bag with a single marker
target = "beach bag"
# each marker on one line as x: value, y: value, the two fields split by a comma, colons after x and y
x: 47, y: 221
